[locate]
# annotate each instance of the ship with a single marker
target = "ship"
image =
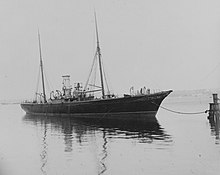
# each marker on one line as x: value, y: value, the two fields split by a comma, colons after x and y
x: 82, y: 101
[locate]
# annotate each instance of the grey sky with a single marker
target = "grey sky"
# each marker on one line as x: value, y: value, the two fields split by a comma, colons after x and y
x: 161, y: 44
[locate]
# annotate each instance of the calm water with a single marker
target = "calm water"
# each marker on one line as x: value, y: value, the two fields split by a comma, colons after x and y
x: 171, y: 144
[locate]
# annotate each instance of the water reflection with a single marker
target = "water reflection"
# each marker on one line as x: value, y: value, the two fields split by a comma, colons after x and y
x: 104, y: 154
x: 143, y: 131
x: 79, y: 130
x: 215, y: 127
x: 44, y: 151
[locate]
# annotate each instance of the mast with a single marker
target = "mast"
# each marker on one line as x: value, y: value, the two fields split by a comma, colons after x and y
x: 99, y: 56
x: 41, y: 66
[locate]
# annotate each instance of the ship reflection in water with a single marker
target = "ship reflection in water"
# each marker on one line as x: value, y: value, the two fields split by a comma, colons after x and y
x: 143, y: 131
x: 78, y: 132
x: 215, y: 128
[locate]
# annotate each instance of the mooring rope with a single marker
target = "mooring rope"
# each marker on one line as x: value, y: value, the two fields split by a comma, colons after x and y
x: 178, y: 112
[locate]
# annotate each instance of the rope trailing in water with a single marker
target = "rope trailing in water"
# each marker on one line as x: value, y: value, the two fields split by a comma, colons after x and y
x: 177, y: 112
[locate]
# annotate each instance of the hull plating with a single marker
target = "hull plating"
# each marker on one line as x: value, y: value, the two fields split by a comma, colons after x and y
x: 136, y: 104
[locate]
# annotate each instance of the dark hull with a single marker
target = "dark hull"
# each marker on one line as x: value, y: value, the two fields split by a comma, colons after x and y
x: 137, y: 104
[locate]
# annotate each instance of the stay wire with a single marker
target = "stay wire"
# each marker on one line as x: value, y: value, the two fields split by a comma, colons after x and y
x: 38, y: 79
x: 94, y: 60
x: 48, y: 83
x: 105, y: 78
x: 94, y: 75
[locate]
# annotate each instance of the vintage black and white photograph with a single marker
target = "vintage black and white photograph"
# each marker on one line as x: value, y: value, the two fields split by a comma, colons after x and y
x: 109, y: 87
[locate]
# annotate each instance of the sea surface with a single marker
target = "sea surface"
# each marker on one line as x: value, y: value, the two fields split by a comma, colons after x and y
x: 171, y: 144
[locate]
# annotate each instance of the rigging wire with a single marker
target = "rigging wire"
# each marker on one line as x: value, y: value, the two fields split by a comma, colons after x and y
x: 95, y: 73
x: 38, y: 82
x: 105, y: 78
x: 47, y: 82
x: 37, y: 85
x: 109, y: 83
x: 210, y: 73
x: 94, y: 60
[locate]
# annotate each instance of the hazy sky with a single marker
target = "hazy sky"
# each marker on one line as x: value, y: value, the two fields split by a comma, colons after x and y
x: 161, y: 44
